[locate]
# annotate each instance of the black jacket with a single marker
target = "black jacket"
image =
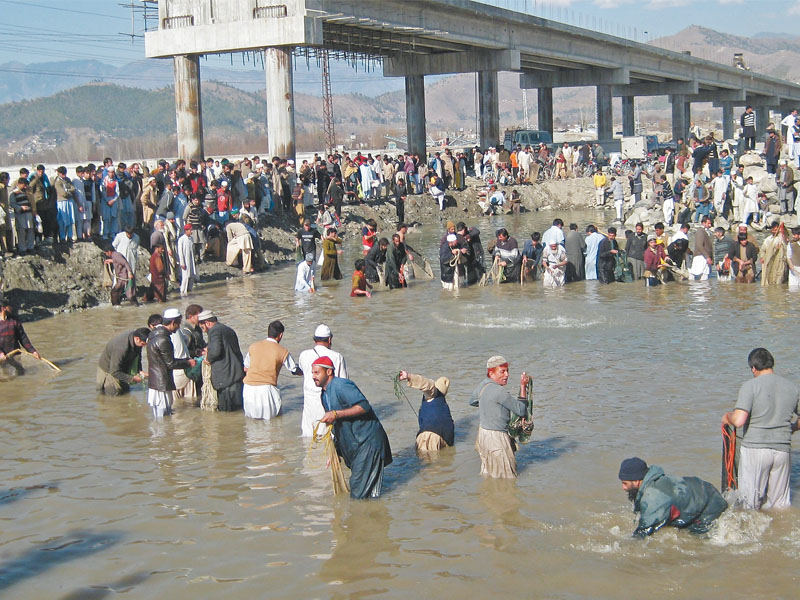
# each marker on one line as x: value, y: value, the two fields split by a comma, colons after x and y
x: 161, y: 360
x: 227, y: 363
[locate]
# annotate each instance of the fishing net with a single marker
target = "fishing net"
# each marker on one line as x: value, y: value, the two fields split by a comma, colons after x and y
x: 21, y: 362
x: 420, y: 266
x: 400, y: 393
x: 622, y: 270
x: 332, y: 459
x: 521, y: 428
x: 208, y: 399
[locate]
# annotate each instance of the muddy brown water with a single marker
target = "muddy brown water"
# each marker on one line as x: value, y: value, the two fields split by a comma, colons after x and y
x: 98, y: 498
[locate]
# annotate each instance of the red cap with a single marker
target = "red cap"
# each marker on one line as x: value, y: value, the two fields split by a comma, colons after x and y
x: 323, y: 361
x: 187, y: 226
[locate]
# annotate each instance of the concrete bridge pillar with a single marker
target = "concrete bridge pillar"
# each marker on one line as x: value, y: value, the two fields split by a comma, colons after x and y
x: 415, y: 115
x: 605, y: 114
x: 545, y: 108
x: 488, y: 109
x: 188, y: 107
x: 280, y: 102
x: 727, y: 121
x: 681, y: 116
x: 628, y: 116
x: 762, y: 120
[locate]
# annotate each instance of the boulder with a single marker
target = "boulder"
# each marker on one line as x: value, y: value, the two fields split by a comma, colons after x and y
x: 768, y: 185
x: 789, y: 220
x: 722, y: 222
x: 750, y: 160
x: 758, y: 173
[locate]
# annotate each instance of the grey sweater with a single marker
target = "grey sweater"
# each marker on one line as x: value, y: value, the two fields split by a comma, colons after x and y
x: 496, y: 405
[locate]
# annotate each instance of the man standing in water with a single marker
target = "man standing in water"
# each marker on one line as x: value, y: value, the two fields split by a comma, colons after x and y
x: 495, y: 447
x: 13, y: 336
x: 659, y: 499
x: 312, y: 403
x: 225, y: 357
x: 764, y: 411
x: 360, y: 438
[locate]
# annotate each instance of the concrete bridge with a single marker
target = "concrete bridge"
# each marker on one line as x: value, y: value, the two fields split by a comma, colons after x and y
x: 414, y: 38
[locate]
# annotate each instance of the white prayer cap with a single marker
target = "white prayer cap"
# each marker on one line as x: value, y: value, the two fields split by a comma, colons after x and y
x: 172, y: 313
x: 496, y: 361
x: 451, y: 237
x: 322, y: 332
x: 205, y: 315
x: 224, y: 184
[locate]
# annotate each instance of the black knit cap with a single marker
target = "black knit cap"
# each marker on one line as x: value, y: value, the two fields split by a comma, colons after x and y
x: 632, y: 469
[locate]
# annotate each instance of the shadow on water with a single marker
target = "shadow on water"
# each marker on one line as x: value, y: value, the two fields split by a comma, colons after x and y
x: 464, y: 427
x: 121, y: 586
x: 70, y: 547
x: 12, y: 495
x: 538, y: 451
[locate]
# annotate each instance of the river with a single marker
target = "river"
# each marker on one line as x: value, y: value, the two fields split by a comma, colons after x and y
x: 99, y: 498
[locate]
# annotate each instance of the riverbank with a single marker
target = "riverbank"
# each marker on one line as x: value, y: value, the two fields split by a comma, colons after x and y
x: 65, y: 278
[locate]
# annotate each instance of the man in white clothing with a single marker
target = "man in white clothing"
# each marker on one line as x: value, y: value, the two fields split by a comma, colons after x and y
x: 127, y: 243
x: 554, y: 234
x: 305, y: 275
x: 313, y: 410
x: 186, y: 260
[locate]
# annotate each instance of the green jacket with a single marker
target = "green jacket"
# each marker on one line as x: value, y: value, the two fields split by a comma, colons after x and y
x: 684, y: 502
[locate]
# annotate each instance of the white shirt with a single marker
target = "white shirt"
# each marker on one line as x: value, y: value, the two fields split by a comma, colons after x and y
x: 788, y: 120
x: 554, y: 234
x: 305, y: 275
x: 312, y: 395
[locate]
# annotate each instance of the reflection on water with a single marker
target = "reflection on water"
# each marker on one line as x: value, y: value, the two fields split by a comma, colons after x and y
x: 206, y: 505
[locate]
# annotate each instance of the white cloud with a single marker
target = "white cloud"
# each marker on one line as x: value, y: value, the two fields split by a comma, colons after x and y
x: 612, y: 3
x: 659, y: 4
x: 731, y: 1
x: 795, y: 9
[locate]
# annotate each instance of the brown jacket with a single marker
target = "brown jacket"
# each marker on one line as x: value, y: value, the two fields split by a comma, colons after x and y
x: 702, y: 244
x: 149, y: 203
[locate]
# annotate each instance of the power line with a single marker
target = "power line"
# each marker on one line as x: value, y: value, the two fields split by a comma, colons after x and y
x: 69, y: 10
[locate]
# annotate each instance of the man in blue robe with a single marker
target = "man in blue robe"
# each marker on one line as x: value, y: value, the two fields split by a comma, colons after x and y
x: 359, y: 435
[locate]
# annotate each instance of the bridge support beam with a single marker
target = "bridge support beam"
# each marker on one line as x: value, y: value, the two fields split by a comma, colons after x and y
x: 605, y: 114
x: 628, y: 116
x: 488, y: 108
x: 762, y: 119
x: 415, y: 115
x: 727, y: 120
x: 681, y: 115
x: 188, y: 107
x: 280, y: 102
x: 545, y: 108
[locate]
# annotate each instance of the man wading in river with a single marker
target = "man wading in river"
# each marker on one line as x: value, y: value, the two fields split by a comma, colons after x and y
x: 360, y: 438
x: 495, y: 446
x: 659, y: 499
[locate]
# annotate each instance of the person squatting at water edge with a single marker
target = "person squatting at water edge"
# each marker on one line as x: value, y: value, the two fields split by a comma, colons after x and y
x: 763, y: 418
x: 494, y: 445
x: 436, y: 427
x: 659, y: 499
x: 359, y: 436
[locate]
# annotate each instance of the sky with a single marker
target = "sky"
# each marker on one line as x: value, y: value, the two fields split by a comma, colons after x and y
x: 52, y: 30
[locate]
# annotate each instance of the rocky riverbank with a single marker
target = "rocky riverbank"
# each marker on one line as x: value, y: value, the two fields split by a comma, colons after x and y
x: 65, y: 278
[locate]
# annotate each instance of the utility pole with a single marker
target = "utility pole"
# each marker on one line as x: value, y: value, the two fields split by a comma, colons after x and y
x: 525, y: 106
x: 327, y: 104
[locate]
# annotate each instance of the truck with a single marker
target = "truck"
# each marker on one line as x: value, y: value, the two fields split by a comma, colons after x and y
x: 638, y: 147
x: 526, y: 137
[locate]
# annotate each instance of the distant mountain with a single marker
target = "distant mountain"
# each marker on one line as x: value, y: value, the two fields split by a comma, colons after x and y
x: 775, y: 56
x: 19, y: 81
